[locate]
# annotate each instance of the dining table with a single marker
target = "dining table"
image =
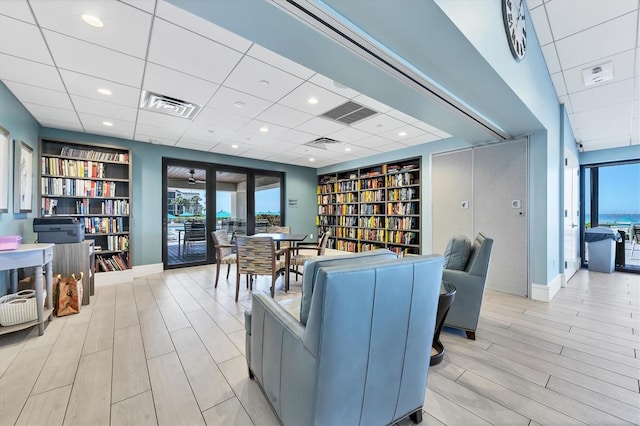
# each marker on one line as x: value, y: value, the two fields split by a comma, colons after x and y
x: 279, y: 238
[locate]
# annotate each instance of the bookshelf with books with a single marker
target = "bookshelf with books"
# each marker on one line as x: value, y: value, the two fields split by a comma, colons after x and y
x: 372, y: 207
x: 93, y: 184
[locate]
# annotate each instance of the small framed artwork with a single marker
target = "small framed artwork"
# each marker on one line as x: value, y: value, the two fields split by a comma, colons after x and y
x: 22, y: 177
x: 4, y: 170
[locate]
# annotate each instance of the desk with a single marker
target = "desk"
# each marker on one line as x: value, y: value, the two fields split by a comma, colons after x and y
x: 28, y: 255
x: 447, y: 295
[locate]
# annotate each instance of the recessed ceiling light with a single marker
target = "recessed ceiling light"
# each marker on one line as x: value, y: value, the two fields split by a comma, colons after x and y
x: 92, y: 20
x: 239, y: 104
x: 312, y: 159
x: 234, y: 146
x: 347, y: 149
x: 403, y: 133
x: 264, y: 129
x: 379, y: 125
x: 104, y: 91
x: 107, y: 123
x: 312, y: 100
x: 211, y: 131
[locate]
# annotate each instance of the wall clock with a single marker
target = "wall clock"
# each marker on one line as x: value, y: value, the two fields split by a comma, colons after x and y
x: 515, y: 25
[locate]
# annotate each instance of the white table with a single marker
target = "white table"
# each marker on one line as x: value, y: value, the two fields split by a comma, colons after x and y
x: 30, y: 255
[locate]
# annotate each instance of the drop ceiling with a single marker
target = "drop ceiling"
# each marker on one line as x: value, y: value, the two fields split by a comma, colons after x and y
x: 578, y: 35
x: 255, y: 103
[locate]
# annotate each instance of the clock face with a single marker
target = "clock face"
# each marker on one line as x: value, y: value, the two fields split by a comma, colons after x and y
x: 516, y: 27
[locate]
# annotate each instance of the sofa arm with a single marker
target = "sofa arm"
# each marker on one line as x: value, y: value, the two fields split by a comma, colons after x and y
x: 465, y: 310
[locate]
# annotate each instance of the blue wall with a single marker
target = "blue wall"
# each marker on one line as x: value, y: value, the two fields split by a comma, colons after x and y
x: 22, y: 127
x: 608, y: 155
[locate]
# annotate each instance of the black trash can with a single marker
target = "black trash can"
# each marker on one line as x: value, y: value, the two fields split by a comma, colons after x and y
x: 620, y: 255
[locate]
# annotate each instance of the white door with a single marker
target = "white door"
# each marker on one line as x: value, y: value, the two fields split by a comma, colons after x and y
x: 571, y: 215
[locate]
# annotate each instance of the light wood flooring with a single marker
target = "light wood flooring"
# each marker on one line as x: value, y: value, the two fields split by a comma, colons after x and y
x: 169, y: 349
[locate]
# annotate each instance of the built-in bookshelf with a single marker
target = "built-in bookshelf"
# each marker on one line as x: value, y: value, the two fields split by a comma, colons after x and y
x: 372, y: 207
x: 93, y: 184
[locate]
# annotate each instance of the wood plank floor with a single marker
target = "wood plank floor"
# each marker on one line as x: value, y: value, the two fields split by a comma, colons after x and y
x: 169, y: 349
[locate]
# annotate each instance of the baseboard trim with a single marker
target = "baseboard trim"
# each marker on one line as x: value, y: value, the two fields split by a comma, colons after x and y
x: 117, y: 277
x: 545, y: 293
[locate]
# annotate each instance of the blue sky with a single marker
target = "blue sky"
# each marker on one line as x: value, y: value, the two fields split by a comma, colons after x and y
x: 266, y: 201
x: 619, y: 190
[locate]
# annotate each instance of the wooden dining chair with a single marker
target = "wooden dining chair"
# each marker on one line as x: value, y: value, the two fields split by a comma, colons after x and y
x: 296, y: 259
x: 257, y: 256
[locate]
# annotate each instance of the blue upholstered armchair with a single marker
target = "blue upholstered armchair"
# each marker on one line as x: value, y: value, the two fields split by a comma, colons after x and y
x: 360, y: 352
x: 466, y: 267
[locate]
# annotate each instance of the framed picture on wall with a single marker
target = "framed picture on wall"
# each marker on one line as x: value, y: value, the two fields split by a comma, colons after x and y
x: 4, y: 170
x: 22, y: 177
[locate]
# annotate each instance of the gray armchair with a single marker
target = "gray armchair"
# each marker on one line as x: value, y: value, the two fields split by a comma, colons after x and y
x: 360, y: 352
x: 470, y: 280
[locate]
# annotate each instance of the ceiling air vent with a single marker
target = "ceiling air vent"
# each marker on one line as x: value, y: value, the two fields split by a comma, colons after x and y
x: 349, y: 113
x: 322, y: 143
x: 598, y: 74
x: 167, y: 105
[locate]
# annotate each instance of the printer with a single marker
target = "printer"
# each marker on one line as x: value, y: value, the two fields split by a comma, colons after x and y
x: 58, y: 229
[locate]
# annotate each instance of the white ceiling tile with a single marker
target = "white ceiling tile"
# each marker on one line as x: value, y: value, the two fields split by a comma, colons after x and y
x: 635, y: 131
x: 169, y: 122
x: 605, y: 143
x: 390, y: 146
x: 43, y: 112
x: 126, y: 29
x: 178, y: 85
x: 147, y: 5
x: 177, y: 48
x: 154, y: 132
x: 348, y: 134
x: 29, y: 72
x: 426, y: 127
x: 604, y: 40
x: 121, y: 133
x: 404, y: 133
x: 254, y: 127
x: 607, y: 122
x: 284, y: 116
x: 104, y: 109
x: 570, y: 17
x: 87, y: 86
x: 75, y: 126
x: 39, y: 95
x: 622, y: 70
x: 204, y: 137
x: 298, y: 99
x: 194, y: 145
x: 551, y: 58
x: 558, y: 83
x: 227, y: 148
x: 91, y: 121
x: 262, y: 80
x: 541, y: 24
x: 320, y: 126
x: 372, y: 103
x: 372, y: 142
x: 278, y: 61
x: 419, y: 140
x: 297, y: 136
x: 226, y: 98
x: 402, y: 116
x: 334, y: 86
x: 77, y: 55
x: 18, y: 9
x: 311, y: 151
x: 181, y: 17
x: 377, y: 124
x: 24, y: 40
x: 213, y: 119
x: 154, y: 137
x: 599, y: 96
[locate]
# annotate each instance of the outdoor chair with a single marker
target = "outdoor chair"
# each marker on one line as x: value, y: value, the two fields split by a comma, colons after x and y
x: 193, y: 232
x: 257, y: 256
x: 224, y: 252
x: 634, y: 236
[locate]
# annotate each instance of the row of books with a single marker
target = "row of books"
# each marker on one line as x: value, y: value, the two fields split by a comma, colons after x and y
x: 349, y: 197
x: 117, y: 243
x: 90, y: 154
x: 369, y: 209
x: 372, y: 234
x: 78, y: 187
x: 401, y: 237
x: 347, y: 220
x: 116, y: 262
x: 372, y: 183
x: 105, y: 225
x: 326, y: 199
x: 402, y: 194
x: 402, y: 208
x: 406, y: 223
x: 73, y: 168
x: 400, y: 179
x: 372, y: 196
x: 327, y: 188
x: 372, y: 222
x: 347, y: 233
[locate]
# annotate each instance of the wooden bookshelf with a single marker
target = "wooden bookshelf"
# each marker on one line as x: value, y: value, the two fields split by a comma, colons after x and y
x: 372, y: 207
x: 93, y: 184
